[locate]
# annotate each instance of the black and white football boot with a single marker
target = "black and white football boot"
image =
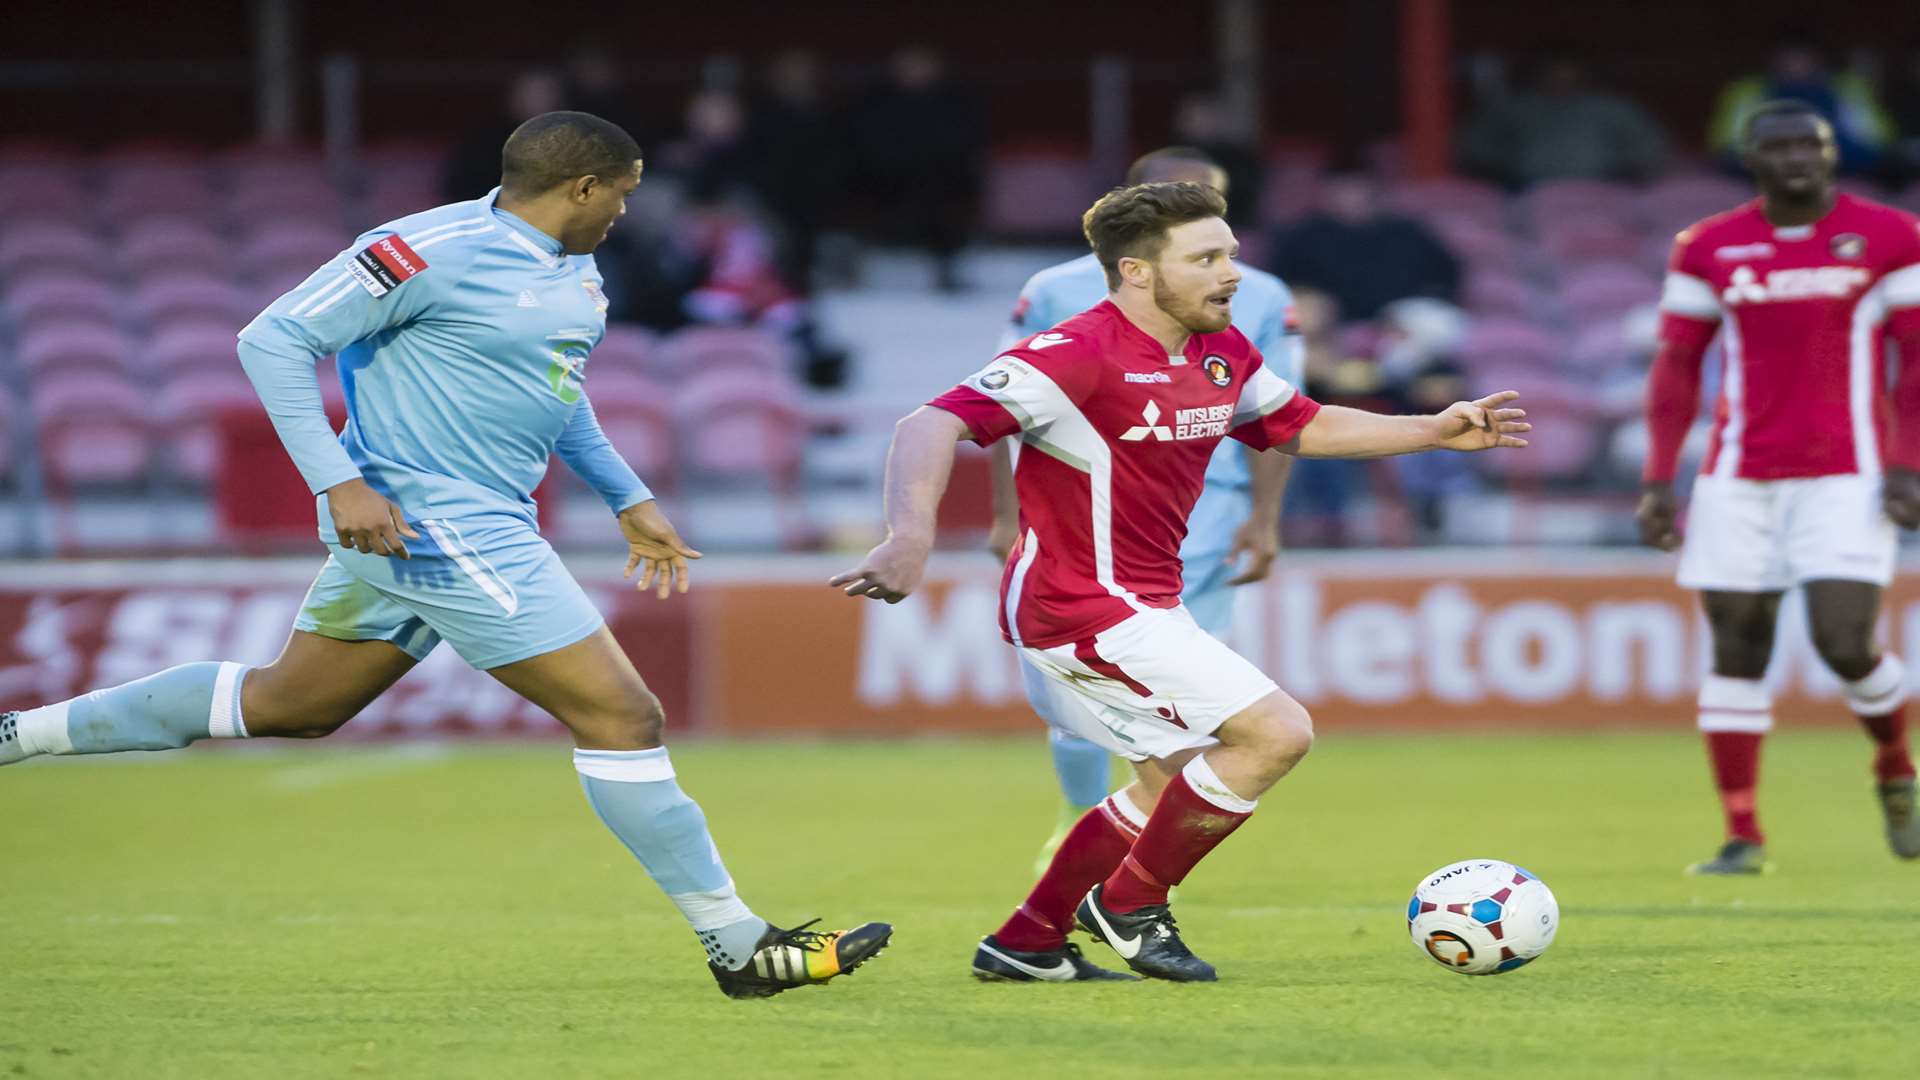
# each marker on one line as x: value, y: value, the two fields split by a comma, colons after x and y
x: 1146, y: 939
x: 994, y: 962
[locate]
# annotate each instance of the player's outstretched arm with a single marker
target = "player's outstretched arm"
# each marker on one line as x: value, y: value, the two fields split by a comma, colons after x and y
x: 1338, y: 432
x: 918, y: 465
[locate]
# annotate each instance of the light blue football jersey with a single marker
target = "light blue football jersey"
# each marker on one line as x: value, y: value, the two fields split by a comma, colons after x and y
x: 463, y: 334
x: 1260, y: 309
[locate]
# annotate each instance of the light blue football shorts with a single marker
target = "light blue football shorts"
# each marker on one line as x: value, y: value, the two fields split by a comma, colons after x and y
x: 1217, y: 515
x: 492, y: 587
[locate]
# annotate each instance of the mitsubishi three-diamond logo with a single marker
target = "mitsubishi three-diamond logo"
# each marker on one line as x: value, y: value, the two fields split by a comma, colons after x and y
x: 1152, y: 429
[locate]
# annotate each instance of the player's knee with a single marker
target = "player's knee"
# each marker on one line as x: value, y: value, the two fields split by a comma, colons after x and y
x: 1847, y: 651
x: 636, y: 722
x: 1279, y: 729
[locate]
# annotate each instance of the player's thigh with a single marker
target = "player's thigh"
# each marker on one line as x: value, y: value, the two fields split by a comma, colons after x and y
x: 318, y: 683
x: 1735, y: 539
x: 1841, y: 620
x: 592, y: 687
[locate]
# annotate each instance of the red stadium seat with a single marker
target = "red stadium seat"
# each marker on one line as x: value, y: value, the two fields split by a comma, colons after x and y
x: 700, y: 349
x: 1555, y: 199
x: 1432, y: 199
x: 197, y: 296
x: 93, y: 429
x: 149, y: 191
x: 1599, y: 289
x: 311, y: 199
x: 1588, y: 236
x: 637, y: 415
x: 1497, y: 342
x: 159, y: 245
x: 75, y: 347
x: 61, y: 300
x: 43, y: 246
x: 625, y: 348
x: 746, y: 432
x: 188, y: 416
x: 189, y: 345
x: 1672, y: 204
x: 1497, y: 292
x: 44, y: 193
x: 284, y: 248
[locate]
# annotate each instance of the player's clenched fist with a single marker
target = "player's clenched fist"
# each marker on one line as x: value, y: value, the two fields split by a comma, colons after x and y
x: 1657, y: 515
x: 1484, y: 424
x: 1900, y: 493
x: 890, y: 572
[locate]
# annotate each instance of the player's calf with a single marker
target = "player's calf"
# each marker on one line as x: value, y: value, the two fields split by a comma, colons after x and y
x: 165, y: 711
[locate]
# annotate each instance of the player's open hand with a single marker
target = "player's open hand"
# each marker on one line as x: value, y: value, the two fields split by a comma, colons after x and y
x: 1484, y: 424
x: 890, y: 572
x: 1658, y: 516
x: 1900, y: 493
x: 367, y: 521
x: 654, y: 548
x: 1258, y: 542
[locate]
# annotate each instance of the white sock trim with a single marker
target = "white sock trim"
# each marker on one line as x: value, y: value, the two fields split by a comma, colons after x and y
x: 1120, y: 809
x: 712, y: 910
x: 1207, y: 784
x: 624, y: 766
x: 44, y: 730
x: 1729, y: 704
x: 1881, y: 690
x: 223, y: 715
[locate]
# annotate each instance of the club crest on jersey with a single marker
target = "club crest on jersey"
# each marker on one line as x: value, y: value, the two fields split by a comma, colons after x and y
x: 1218, y: 370
x: 568, y: 369
x: 381, y: 266
x: 1848, y: 245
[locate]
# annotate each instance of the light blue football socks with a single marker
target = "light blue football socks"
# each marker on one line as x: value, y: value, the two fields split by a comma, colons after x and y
x: 635, y: 794
x: 164, y: 711
x: 1083, y: 768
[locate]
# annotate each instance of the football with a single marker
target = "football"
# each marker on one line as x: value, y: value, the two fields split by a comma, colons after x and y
x: 1482, y: 916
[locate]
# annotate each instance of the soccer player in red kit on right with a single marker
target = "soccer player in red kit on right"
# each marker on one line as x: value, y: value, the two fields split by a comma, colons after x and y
x: 1814, y: 460
x: 1117, y: 412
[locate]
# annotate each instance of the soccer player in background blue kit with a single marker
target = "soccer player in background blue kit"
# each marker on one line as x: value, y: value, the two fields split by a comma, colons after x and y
x: 1234, y: 532
x: 463, y: 336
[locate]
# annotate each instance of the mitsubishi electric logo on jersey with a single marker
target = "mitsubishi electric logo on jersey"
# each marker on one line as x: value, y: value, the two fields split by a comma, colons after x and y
x: 1798, y: 283
x: 1207, y: 422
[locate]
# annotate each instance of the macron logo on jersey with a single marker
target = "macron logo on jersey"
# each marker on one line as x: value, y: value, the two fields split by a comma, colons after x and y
x: 381, y: 266
x: 1798, y: 283
x: 1048, y: 341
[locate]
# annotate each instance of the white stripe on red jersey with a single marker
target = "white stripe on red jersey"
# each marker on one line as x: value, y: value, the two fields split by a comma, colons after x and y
x: 1115, y: 438
x: 1804, y: 311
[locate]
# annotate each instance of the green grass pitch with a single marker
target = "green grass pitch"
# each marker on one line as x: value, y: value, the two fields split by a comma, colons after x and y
x: 335, y: 911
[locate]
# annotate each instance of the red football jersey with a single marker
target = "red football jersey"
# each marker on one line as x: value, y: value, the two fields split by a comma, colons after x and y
x: 1115, y: 436
x: 1802, y: 312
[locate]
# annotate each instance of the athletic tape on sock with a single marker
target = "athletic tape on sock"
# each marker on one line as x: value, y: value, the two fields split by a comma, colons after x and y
x: 1207, y: 784
x: 1728, y: 704
x: 44, y: 730
x: 624, y: 766
x: 1881, y: 691
x: 713, y: 909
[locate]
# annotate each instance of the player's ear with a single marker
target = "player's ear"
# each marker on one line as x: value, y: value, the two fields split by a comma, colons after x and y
x: 583, y: 188
x: 1135, y: 272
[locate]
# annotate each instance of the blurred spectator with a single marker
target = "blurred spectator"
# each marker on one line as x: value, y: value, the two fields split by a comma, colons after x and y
x: 800, y: 153
x: 1560, y: 128
x: 473, y: 168
x: 1797, y: 71
x: 1903, y: 107
x: 1202, y: 123
x: 594, y: 84
x: 920, y: 141
x: 1363, y: 256
x: 711, y: 155
x: 1418, y: 340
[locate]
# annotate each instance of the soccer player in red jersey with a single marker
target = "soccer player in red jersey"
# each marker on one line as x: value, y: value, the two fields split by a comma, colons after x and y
x: 1813, y: 461
x: 1117, y: 412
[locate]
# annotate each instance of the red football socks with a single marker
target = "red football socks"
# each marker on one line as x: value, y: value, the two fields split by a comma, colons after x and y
x: 1736, y: 771
x: 1891, y: 758
x: 1093, y: 847
x: 1183, y: 828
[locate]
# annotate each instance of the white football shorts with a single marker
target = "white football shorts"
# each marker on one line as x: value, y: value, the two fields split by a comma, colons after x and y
x: 1770, y: 535
x: 1151, y: 686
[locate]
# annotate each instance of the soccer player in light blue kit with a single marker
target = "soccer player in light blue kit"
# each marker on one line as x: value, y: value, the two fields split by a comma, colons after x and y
x: 463, y: 336
x: 1234, y: 532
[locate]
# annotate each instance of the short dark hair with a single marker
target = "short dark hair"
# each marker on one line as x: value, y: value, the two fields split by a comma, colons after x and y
x: 1146, y: 165
x: 1778, y: 107
x: 1132, y: 222
x: 556, y: 147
